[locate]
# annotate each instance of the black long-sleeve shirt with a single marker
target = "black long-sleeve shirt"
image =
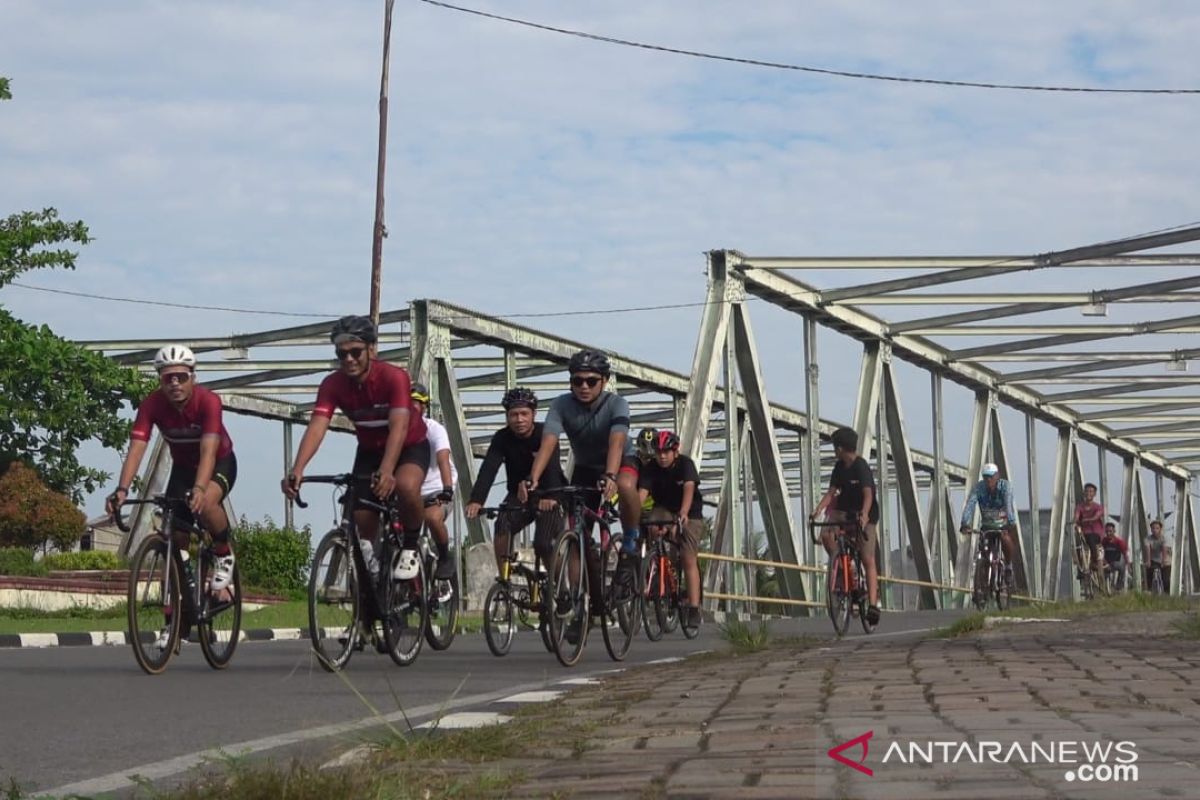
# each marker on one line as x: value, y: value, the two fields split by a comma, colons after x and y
x: 516, y: 455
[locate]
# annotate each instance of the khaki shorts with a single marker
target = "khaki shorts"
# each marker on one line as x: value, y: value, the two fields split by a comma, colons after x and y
x: 872, y: 533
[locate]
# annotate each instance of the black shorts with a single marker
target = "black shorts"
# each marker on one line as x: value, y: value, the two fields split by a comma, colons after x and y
x: 183, y: 478
x: 588, y: 477
x: 366, y: 464
x: 549, y: 524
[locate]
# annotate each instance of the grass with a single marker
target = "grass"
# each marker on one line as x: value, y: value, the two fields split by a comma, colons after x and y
x: 1125, y: 603
x: 1188, y: 627
x: 744, y: 639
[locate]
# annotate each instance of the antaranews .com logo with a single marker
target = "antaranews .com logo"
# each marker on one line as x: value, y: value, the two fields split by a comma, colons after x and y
x: 1084, y: 760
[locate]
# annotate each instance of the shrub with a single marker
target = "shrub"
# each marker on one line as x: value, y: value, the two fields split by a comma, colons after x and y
x: 85, y: 559
x: 19, y: 561
x: 32, y: 515
x: 272, y: 558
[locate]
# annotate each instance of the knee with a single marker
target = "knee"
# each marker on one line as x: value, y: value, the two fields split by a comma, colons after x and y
x: 626, y: 482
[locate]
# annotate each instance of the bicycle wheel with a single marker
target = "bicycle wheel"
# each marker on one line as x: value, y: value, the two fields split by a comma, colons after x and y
x: 220, y: 623
x: 149, y: 613
x: 568, y: 599
x: 407, y: 613
x: 652, y: 595
x: 1000, y: 588
x: 443, y: 610
x: 498, y: 623
x: 670, y: 609
x: 622, y: 597
x: 333, y: 601
x: 837, y: 596
x: 864, y: 599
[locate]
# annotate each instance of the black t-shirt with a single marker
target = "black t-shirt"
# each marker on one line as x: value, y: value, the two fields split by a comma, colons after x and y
x: 666, y: 485
x: 516, y: 454
x: 850, y: 482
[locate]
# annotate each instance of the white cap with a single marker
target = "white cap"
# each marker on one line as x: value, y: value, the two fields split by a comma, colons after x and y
x: 989, y: 470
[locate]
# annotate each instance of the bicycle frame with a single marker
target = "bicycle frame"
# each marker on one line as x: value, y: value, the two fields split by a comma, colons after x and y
x: 194, y: 608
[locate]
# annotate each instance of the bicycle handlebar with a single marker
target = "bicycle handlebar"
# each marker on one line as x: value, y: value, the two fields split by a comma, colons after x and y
x: 160, y: 500
x: 850, y: 525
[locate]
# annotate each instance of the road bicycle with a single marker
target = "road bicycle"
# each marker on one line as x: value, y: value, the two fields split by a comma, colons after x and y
x: 353, y: 598
x: 991, y: 568
x: 443, y: 599
x: 845, y: 580
x: 165, y: 592
x: 616, y: 603
x: 664, y: 595
x: 517, y: 594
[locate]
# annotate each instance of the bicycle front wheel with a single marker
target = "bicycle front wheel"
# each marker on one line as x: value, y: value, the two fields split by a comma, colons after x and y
x: 1001, y: 591
x: 837, y: 596
x: 864, y: 600
x: 333, y: 601
x: 622, y: 597
x: 220, y: 624
x: 498, y: 623
x: 671, y: 572
x: 443, y: 611
x: 568, y: 599
x: 154, y: 604
x: 407, y: 613
x: 653, y: 595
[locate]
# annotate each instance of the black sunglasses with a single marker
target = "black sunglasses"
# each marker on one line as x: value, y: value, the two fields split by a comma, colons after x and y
x: 175, y: 377
x: 579, y: 380
x: 350, y: 352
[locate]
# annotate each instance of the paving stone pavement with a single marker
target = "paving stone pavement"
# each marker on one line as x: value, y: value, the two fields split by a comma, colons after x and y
x: 760, y: 725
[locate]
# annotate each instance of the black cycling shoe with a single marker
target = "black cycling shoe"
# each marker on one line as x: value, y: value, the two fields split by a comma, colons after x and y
x: 873, y: 615
x: 445, y: 569
x: 571, y: 634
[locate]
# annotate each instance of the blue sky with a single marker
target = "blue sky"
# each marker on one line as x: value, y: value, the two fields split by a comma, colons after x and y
x: 223, y: 154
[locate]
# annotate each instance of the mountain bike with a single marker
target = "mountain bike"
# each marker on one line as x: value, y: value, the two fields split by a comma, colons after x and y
x: 165, y: 593
x: 518, y: 592
x: 664, y: 581
x: 352, y: 599
x: 990, y: 571
x: 1156, y: 584
x: 617, y: 603
x: 1090, y: 583
x: 443, y: 599
x: 845, y: 581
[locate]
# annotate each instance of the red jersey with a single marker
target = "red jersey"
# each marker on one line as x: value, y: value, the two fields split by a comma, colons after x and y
x: 1090, y: 517
x: 368, y: 404
x: 182, y: 428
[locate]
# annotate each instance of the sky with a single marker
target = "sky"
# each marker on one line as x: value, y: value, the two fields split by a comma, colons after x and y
x: 223, y: 154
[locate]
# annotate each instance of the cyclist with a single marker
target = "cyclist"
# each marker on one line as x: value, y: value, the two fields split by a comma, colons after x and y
x: 596, y: 423
x: 852, y: 486
x: 438, y: 488
x: 392, y: 446
x: 644, y: 450
x: 1116, y: 554
x: 1089, y: 522
x: 674, y: 483
x: 993, y: 495
x: 515, y: 446
x: 203, y: 464
x: 1157, y: 553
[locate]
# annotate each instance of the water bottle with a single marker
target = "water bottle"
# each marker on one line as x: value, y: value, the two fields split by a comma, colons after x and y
x: 189, y: 574
x: 368, y: 552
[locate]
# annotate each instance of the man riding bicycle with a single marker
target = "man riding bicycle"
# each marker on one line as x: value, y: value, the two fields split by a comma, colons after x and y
x: 994, y: 498
x: 1116, y: 554
x: 674, y: 483
x: 202, y: 461
x: 515, y: 446
x: 852, y: 486
x: 438, y: 488
x: 392, y: 445
x: 1089, y: 523
x: 1158, y: 556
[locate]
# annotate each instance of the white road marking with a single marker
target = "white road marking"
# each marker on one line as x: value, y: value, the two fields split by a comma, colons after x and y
x: 543, y: 696
x: 39, y: 639
x: 466, y: 719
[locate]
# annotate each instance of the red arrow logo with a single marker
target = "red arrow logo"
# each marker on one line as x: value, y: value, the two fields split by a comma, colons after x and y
x: 836, y: 752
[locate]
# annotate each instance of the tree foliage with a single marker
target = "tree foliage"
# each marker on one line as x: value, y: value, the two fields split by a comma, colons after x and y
x: 54, y: 394
x: 32, y: 515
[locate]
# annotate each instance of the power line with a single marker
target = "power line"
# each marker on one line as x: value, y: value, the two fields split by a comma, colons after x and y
x: 837, y: 73
x: 166, y: 304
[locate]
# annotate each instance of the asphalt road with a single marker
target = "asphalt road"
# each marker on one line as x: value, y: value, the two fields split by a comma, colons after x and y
x: 86, y: 717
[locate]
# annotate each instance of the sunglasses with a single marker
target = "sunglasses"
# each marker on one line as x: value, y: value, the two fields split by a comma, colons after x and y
x: 590, y: 382
x: 659, y: 524
x: 175, y: 377
x: 350, y: 352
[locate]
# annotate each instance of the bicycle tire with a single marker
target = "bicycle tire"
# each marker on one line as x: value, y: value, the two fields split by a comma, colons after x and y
x: 146, y: 613
x: 405, y: 599
x: 498, y: 623
x: 569, y: 601
x: 443, y: 614
x: 652, y: 595
x: 670, y: 619
x: 1001, y: 592
x: 220, y: 631
x: 837, y: 597
x: 864, y: 600
x: 621, y: 614
x: 333, y: 593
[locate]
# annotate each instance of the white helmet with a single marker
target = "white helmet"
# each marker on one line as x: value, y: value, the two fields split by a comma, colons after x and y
x: 989, y: 470
x: 174, y: 355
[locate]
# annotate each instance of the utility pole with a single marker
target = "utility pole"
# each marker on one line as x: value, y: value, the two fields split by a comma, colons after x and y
x: 380, y: 230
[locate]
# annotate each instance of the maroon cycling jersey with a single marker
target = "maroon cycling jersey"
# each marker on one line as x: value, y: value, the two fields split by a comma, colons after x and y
x: 182, y: 428
x: 368, y: 404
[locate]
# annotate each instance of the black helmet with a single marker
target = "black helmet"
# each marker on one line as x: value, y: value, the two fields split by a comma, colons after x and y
x: 845, y: 439
x: 589, y: 361
x: 665, y: 441
x: 519, y: 396
x: 419, y: 392
x: 353, y: 328
x: 645, y: 442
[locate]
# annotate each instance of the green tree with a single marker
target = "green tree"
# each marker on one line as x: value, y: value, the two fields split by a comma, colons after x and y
x: 54, y: 394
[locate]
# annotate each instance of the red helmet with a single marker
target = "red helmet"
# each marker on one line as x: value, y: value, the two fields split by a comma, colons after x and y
x: 666, y: 440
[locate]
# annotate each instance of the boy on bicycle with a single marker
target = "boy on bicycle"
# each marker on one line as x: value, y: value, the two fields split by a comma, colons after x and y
x: 1116, y: 554
x: 994, y: 498
x: 674, y: 483
x: 1158, y: 556
x: 392, y: 447
x: 438, y: 488
x: 852, y: 486
x: 515, y: 446
x: 1089, y: 523
x: 203, y: 466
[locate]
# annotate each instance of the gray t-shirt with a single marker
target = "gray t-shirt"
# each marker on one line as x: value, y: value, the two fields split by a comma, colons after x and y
x: 1154, y: 548
x: 588, y: 427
